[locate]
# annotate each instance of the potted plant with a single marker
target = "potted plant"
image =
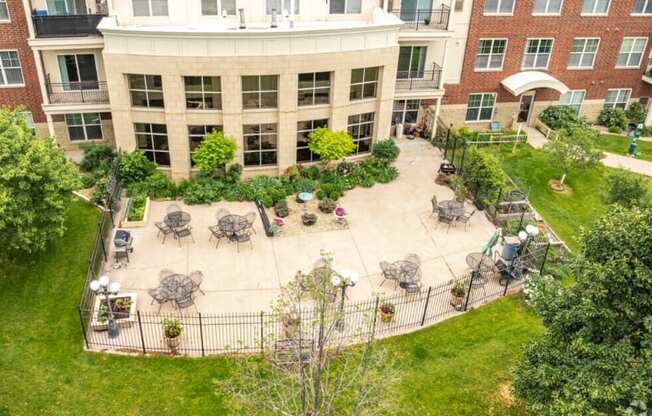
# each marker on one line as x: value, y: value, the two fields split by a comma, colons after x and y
x: 458, y: 293
x: 327, y: 205
x: 309, y: 218
x: 172, y: 331
x: 387, y: 312
x: 281, y: 208
x: 291, y: 325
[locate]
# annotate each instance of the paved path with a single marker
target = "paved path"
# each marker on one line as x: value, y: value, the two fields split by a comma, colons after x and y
x: 534, y: 137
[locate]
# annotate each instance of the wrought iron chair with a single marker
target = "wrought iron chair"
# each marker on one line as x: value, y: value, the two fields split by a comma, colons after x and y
x: 435, y: 207
x: 164, y: 229
x: 444, y: 217
x: 221, y: 213
x: 180, y: 233
x: 186, y: 301
x: 243, y: 237
x: 173, y: 207
x: 197, y: 278
x: 390, y: 272
x: 466, y: 219
x: 157, y: 297
x: 217, y: 234
x: 250, y: 217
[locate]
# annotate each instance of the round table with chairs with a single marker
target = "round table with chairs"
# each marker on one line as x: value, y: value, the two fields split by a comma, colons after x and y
x: 177, y: 219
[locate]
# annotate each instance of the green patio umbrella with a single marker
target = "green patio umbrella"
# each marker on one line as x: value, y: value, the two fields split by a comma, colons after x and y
x: 488, y: 248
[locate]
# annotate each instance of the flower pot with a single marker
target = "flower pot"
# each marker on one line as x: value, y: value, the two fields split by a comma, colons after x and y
x: 173, y: 343
x: 457, y: 301
x: 387, y: 317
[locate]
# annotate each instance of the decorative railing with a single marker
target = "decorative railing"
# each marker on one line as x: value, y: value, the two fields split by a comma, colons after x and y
x: 84, y: 92
x: 67, y: 25
x: 419, y: 19
x: 419, y: 80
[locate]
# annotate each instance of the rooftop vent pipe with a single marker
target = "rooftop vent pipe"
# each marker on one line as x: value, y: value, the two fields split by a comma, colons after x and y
x: 243, y: 24
x: 274, y: 25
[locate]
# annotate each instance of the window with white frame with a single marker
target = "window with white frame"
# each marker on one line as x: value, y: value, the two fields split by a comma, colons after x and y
x: 345, y: 6
x: 537, y: 53
x: 260, y: 144
x: 304, y: 128
x: 153, y: 140
x: 617, y: 98
x: 642, y: 7
x: 203, y: 93
x: 10, y: 71
x: 490, y: 54
x: 631, y: 52
x: 499, y: 6
x: 146, y: 90
x: 595, y: 7
x: 150, y: 7
x: 196, y: 135
x: 4, y: 11
x: 361, y: 128
x: 364, y: 83
x: 583, y: 52
x: 573, y: 99
x: 281, y: 5
x: 314, y: 88
x: 210, y: 7
x: 84, y: 126
x: 405, y: 111
x: 480, y: 107
x: 259, y: 91
x: 547, y: 7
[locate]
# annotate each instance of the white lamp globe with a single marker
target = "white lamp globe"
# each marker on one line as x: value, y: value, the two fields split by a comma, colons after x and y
x: 532, y: 230
x: 346, y: 274
x: 114, y: 287
x: 95, y: 285
x: 335, y: 280
x: 355, y: 277
x: 104, y: 280
x: 522, y: 235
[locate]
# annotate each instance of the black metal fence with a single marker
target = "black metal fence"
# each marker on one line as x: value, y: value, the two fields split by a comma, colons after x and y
x: 434, y: 18
x: 67, y: 25
x: 83, y: 92
x: 419, y: 80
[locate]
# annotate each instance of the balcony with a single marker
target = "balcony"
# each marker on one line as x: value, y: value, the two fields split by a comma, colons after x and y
x: 647, y: 76
x: 418, y: 81
x: 85, y: 92
x: 77, y: 25
x: 424, y: 19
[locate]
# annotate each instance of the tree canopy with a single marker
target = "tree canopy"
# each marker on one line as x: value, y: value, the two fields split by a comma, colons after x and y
x: 215, y: 151
x: 35, y: 185
x: 331, y: 145
x: 574, y: 150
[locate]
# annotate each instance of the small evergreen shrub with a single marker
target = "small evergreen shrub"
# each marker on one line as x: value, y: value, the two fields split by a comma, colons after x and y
x: 614, y: 119
x: 95, y: 156
x: 135, y: 167
x: 386, y: 150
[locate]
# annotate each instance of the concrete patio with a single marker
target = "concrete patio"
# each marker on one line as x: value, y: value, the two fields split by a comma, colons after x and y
x: 386, y: 222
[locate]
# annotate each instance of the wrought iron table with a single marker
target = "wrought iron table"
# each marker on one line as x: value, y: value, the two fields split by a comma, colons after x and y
x: 177, y: 219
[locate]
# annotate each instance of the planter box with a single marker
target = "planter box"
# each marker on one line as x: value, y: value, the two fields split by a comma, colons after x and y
x: 122, y: 322
x: 135, y: 224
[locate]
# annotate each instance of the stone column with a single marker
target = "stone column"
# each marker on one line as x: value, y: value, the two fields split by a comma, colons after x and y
x: 175, y: 119
x: 287, y: 120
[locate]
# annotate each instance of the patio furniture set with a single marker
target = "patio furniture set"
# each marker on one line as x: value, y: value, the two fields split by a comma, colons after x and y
x: 451, y: 212
x: 405, y: 273
x: 177, y: 223
x: 177, y: 289
x: 233, y: 228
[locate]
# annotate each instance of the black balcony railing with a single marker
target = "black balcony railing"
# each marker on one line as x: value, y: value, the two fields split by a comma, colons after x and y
x: 436, y: 18
x: 67, y: 25
x: 648, y: 70
x: 419, y: 80
x: 85, y: 92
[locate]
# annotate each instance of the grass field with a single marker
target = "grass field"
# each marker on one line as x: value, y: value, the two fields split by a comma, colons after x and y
x: 459, y: 367
x: 619, y: 144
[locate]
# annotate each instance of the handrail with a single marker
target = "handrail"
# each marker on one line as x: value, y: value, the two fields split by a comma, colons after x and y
x: 436, y: 18
x: 67, y: 25
x: 419, y: 80
x: 93, y: 92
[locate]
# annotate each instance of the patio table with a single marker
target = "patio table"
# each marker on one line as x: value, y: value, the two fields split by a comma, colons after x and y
x: 177, y: 219
x: 176, y: 286
x: 409, y: 272
x: 232, y: 224
x: 452, y: 208
x: 479, y: 262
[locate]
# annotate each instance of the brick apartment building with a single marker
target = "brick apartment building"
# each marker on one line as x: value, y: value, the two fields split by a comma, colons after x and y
x: 524, y: 55
x: 19, y: 82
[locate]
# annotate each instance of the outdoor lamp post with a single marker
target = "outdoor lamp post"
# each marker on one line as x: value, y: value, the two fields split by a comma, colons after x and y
x: 343, y: 280
x: 102, y: 287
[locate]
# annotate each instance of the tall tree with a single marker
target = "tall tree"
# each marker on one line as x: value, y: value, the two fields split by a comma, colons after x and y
x: 35, y: 185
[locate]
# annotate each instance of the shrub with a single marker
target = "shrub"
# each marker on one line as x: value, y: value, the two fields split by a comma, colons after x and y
x: 137, y: 208
x: 88, y: 181
x: 484, y: 176
x: 281, y: 208
x: 203, y: 190
x: 627, y: 189
x: 613, y: 118
x: 309, y: 218
x: 636, y: 113
x: 233, y: 173
x: 95, y: 156
x: 330, y: 145
x: 135, y: 167
x: 386, y: 150
x: 327, y: 205
x: 99, y: 191
x: 562, y: 117
x: 346, y: 168
x: 330, y: 190
x: 306, y: 185
x: 157, y: 186
x: 458, y: 187
x: 387, y: 174
x: 311, y: 172
x: 214, y: 152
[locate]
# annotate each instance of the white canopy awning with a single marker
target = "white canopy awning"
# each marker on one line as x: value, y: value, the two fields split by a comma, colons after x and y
x: 518, y: 83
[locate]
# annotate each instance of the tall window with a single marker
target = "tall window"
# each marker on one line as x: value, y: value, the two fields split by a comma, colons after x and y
x: 203, y: 93
x: 490, y: 54
x: 361, y: 128
x: 10, y: 72
x: 4, y: 11
x: 260, y: 144
x: 196, y: 135
x: 499, y: 6
x: 78, y: 71
x: 146, y: 90
x: 86, y: 126
x: 480, y: 107
x: 640, y: 7
x: 583, y: 52
x: 405, y: 111
x: 259, y: 91
x: 153, y: 140
x: 617, y: 98
x: 281, y: 5
x: 547, y: 7
x: 150, y: 7
x: 209, y: 7
x: 314, y: 88
x: 411, y: 62
x: 364, y: 83
x: 345, y: 6
x: 304, y: 128
x: 537, y: 53
x: 459, y: 5
x: 573, y: 99
x: 631, y: 52
x: 596, y: 7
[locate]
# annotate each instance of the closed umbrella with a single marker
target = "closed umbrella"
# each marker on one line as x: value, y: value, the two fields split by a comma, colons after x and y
x: 488, y: 248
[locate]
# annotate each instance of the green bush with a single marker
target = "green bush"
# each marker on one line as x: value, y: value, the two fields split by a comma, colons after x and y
x: 613, y: 118
x: 386, y: 150
x: 327, y: 205
x: 214, y: 152
x: 306, y: 185
x: 627, y: 189
x: 636, y: 113
x: 311, y: 172
x: 137, y: 208
x: 135, y: 167
x: 330, y: 190
x: 156, y: 186
x: 88, y: 181
x: 562, y: 117
x: 96, y: 156
x: 281, y: 208
x: 484, y: 176
x: 99, y: 191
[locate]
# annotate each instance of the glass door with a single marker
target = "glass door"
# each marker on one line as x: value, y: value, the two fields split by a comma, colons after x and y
x: 416, y: 10
x: 61, y: 7
x: 78, y: 72
x: 411, y: 62
x: 527, y: 99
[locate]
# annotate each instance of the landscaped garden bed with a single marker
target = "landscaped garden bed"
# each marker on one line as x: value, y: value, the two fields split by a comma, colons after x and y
x: 123, y: 307
x: 136, y: 213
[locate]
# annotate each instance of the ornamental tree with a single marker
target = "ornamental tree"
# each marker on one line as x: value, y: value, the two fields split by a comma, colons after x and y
x: 36, y: 185
x: 330, y: 145
x: 215, y: 151
x: 573, y: 151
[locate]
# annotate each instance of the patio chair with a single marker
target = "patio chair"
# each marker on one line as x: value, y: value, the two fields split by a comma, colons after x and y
x: 197, y: 278
x: 243, y: 237
x: 221, y: 213
x: 435, y: 206
x: 217, y: 234
x: 390, y: 272
x: 158, y: 298
x: 185, y: 302
x: 165, y: 273
x: 183, y: 232
x: 444, y: 218
x: 172, y: 208
x: 164, y: 229
x: 413, y: 258
x: 466, y: 219
x: 412, y: 287
x: 250, y: 217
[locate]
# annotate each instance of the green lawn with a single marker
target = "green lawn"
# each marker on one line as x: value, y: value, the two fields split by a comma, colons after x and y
x: 619, y: 144
x: 455, y: 368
